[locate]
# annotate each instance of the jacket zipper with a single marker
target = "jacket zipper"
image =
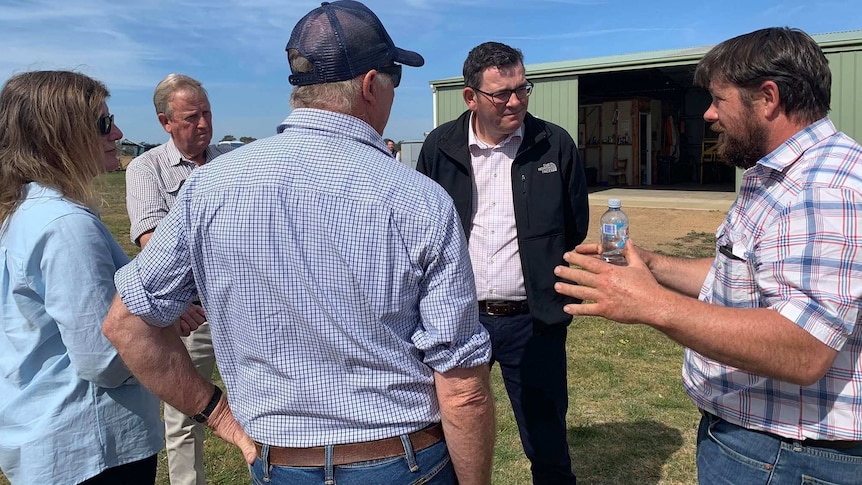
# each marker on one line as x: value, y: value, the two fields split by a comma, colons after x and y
x: 526, y: 198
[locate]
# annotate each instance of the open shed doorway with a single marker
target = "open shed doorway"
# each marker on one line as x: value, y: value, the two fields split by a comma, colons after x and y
x: 649, y: 123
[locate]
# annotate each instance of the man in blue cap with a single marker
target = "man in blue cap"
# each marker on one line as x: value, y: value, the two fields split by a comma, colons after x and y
x: 337, y: 283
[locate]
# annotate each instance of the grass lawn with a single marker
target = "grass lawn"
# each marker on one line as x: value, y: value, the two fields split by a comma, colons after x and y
x: 630, y: 422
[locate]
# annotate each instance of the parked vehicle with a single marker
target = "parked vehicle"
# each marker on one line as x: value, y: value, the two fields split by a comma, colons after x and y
x: 231, y: 143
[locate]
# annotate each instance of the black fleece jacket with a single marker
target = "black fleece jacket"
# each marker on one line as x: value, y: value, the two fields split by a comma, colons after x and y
x: 550, y: 196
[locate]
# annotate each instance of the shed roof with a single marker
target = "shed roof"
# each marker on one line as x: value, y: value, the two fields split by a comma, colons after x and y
x: 829, y: 42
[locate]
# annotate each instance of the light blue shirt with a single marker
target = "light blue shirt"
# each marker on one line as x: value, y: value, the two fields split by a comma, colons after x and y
x: 69, y: 408
x: 336, y: 281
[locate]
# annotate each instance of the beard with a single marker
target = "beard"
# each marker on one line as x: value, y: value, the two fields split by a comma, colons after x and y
x: 745, y: 149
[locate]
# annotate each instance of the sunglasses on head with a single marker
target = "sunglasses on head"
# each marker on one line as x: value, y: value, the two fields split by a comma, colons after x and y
x: 394, y: 72
x: 105, y: 124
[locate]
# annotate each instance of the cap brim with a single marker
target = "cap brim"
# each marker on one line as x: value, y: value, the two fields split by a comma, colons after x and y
x: 409, y: 58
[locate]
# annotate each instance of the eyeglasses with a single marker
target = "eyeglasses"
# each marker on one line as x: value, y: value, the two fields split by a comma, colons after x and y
x: 394, y: 71
x: 105, y: 124
x: 503, y: 97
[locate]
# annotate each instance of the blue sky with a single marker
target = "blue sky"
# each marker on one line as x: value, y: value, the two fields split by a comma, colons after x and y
x: 236, y: 47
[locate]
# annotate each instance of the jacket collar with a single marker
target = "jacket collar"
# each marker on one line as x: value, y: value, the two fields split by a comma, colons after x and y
x: 455, y: 140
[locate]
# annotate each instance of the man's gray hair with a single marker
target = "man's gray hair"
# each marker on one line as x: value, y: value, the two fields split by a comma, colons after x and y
x: 172, y: 84
x: 341, y: 96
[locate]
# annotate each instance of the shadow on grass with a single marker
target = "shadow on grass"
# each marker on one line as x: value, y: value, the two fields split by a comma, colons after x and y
x: 622, y: 453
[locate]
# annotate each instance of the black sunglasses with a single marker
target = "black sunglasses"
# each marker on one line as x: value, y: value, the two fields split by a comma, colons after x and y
x: 394, y: 71
x: 105, y: 124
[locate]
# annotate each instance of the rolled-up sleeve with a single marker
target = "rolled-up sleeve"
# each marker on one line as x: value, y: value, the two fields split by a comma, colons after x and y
x: 158, y: 284
x: 144, y: 200
x: 809, y: 263
x: 450, y: 335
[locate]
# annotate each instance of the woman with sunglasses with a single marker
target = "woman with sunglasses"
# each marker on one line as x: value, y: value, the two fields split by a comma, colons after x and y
x: 70, y: 412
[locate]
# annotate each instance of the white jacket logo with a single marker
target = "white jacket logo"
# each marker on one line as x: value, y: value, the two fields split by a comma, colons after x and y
x: 549, y: 167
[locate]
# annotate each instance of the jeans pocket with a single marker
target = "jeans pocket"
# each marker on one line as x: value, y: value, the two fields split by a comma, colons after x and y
x: 257, y: 466
x: 429, y: 477
x: 733, y: 449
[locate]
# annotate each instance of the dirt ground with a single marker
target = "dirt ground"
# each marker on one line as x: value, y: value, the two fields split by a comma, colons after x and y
x: 651, y: 228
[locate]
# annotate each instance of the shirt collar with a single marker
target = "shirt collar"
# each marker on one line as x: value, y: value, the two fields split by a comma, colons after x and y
x: 338, y: 124
x: 176, y: 157
x: 474, y: 141
x: 35, y: 190
x: 789, y: 152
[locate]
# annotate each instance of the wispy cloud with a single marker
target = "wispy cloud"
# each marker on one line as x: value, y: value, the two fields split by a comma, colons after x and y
x: 131, y: 45
x: 591, y: 33
x: 438, y: 4
x: 84, y: 36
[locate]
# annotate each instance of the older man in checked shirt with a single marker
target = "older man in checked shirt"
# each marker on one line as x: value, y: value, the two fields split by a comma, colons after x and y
x: 153, y: 181
x: 337, y: 284
x: 774, y: 342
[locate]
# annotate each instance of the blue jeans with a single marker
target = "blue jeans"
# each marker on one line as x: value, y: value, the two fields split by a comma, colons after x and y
x: 431, y: 466
x: 732, y: 455
x: 533, y: 367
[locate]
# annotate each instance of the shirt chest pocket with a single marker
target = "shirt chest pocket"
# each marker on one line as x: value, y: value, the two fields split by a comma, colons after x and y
x: 172, y: 189
x: 735, y: 283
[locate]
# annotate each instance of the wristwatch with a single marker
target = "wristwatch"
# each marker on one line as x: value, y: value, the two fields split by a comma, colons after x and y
x: 204, y: 415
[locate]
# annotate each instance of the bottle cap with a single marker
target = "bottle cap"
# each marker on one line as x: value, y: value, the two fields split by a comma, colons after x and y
x: 614, y: 203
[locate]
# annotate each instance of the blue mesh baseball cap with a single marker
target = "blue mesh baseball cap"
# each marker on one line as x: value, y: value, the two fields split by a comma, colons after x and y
x: 342, y: 40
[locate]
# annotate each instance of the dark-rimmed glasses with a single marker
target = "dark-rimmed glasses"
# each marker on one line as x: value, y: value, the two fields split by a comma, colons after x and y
x: 105, y: 124
x: 503, y: 97
x: 393, y: 71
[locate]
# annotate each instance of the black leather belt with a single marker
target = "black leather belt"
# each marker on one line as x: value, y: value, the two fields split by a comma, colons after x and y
x: 503, y: 308
x: 832, y: 445
x: 828, y: 444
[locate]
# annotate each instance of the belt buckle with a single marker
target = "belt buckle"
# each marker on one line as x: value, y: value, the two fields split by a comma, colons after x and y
x: 497, y: 308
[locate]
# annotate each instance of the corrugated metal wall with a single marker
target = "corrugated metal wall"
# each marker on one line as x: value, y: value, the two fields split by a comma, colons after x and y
x: 450, y: 104
x: 846, y: 102
x: 556, y: 100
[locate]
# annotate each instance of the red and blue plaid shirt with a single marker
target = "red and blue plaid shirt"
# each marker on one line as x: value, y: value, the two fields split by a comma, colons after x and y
x: 796, y: 234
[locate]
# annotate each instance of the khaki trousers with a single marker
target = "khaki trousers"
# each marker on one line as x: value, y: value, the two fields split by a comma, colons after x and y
x: 184, y: 438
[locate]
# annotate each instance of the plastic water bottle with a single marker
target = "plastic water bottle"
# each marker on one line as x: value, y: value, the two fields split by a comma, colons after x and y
x: 615, y: 232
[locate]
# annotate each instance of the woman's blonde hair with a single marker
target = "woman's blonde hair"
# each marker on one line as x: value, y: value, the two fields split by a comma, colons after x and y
x: 49, y: 135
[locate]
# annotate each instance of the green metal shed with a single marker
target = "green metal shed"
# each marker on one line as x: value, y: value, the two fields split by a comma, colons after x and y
x: 659, y: 85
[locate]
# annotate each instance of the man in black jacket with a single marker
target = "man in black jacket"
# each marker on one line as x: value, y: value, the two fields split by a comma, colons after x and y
x: 519, y: 187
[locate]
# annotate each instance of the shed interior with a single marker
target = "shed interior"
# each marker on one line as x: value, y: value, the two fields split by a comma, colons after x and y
x: 648, y: 123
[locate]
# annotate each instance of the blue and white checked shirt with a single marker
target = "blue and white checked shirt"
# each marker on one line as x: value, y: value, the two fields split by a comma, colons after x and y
x: 335, y: 281
x: 797, y: 226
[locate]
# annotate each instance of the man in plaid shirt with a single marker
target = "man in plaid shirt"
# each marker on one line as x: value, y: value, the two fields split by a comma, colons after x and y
x: 773, y: 342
